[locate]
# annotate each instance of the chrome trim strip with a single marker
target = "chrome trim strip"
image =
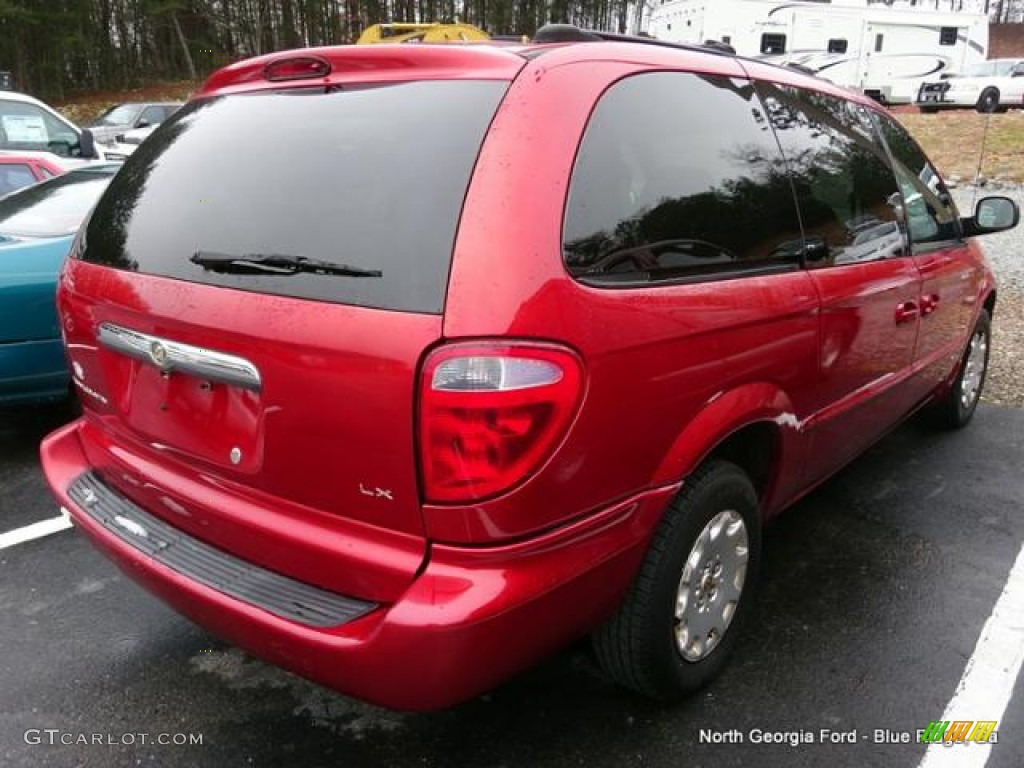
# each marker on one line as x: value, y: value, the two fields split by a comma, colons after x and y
x: 174, y: 356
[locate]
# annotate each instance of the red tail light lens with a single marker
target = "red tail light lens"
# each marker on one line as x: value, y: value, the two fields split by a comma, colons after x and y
x: 491, y: 414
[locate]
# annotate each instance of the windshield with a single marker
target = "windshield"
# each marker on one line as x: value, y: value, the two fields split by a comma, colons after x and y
x: 348, y: 195
x: 123, y: 114
x: 55, y: 207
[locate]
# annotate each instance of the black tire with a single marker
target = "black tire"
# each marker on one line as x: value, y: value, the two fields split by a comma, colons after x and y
x: 929, y: 110
x: 638, y: 646
x: 988, y: 101
x: 954, y: 410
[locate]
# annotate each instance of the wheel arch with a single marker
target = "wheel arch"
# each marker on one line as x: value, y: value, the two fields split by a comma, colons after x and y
x: 753, y: 426
x: 755, y: 449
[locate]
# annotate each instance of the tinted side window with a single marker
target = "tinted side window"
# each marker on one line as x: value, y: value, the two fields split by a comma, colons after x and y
x: 930, y: 214
x: 678, y: 177
x: 849, y: 201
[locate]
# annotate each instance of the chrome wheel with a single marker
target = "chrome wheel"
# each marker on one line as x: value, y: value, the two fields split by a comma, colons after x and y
x: 974, y: 369
x: 711, y: 584
x: 684, y: 612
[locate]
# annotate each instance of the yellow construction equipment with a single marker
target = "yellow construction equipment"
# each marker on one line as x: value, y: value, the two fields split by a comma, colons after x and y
x: 421, y: 33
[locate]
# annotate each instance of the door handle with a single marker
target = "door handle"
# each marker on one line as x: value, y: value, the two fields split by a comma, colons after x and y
x: 929, y: 303
x: 906, y: 312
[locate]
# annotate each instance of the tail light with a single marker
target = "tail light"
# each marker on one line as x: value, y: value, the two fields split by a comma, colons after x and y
x: 491, y: 414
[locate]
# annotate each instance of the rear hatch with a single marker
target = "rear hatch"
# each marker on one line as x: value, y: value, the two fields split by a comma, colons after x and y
x: 279, y: 266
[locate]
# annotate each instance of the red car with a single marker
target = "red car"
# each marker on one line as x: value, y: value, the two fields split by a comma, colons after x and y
x: 21, y: 169
x: 499, y: 347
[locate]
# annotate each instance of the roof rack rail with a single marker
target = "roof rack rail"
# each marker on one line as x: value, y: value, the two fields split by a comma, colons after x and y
x: 570, y: 33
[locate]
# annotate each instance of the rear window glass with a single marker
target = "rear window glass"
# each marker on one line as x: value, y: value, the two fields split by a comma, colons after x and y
x: 350, y: 195
x: 53, y: 208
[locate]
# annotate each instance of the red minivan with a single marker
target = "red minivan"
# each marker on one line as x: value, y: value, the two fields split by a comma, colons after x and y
x: 404, y: 366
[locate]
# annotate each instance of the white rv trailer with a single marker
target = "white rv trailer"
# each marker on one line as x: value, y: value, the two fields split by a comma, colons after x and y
x: 885, y: 50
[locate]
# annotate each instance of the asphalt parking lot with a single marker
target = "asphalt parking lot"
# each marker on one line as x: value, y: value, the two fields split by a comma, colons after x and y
x: 874, y: 594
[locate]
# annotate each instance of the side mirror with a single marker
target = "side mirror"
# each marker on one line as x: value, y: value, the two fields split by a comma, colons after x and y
x: 142, y: 124
x: 992, y: 214
x: 87, y: 144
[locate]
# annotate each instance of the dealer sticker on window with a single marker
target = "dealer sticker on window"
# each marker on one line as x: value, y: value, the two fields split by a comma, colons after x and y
x: 25, y: 128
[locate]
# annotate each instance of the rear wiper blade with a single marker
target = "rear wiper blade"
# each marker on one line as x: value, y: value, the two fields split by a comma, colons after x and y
x: 275, y: 264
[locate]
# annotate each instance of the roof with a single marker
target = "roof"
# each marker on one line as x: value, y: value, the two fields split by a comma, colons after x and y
x: 330, y: 65
x: 563, y: 42
x: 23, y: 97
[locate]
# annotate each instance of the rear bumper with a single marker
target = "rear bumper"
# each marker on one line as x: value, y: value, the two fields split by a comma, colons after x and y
x: 472, y: 618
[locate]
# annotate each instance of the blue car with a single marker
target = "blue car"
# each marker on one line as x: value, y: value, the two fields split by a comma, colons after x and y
x: 37, y: 226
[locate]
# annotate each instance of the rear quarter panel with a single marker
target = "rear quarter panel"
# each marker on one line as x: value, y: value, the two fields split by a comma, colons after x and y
x: 670, y: 370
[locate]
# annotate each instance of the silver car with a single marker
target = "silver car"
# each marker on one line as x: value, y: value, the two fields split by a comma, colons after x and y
x: 137, y: 114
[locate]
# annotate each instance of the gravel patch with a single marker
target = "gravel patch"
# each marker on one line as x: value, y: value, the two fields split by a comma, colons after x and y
x: 1005, y: 252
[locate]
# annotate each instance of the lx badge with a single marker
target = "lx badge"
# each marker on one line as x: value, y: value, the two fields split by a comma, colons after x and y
x: 377, y: 493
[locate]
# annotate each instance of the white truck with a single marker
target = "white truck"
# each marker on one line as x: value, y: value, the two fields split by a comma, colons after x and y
x: 884, y: 49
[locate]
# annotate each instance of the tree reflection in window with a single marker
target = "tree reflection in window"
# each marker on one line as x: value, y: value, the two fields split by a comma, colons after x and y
x: 679, y: 177
x: 850, y: 205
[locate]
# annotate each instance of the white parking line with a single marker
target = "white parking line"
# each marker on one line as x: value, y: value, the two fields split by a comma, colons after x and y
x: 989, y: 677
x: 35, y: 531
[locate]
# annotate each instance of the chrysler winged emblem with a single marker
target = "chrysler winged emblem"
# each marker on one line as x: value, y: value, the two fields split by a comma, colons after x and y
x: 158, y: 354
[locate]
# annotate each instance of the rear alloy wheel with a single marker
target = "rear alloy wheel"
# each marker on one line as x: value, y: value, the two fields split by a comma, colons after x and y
x: 678, y: 623
x: 712, y: 583
x: 957, y: 406
x: 988, y: 102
